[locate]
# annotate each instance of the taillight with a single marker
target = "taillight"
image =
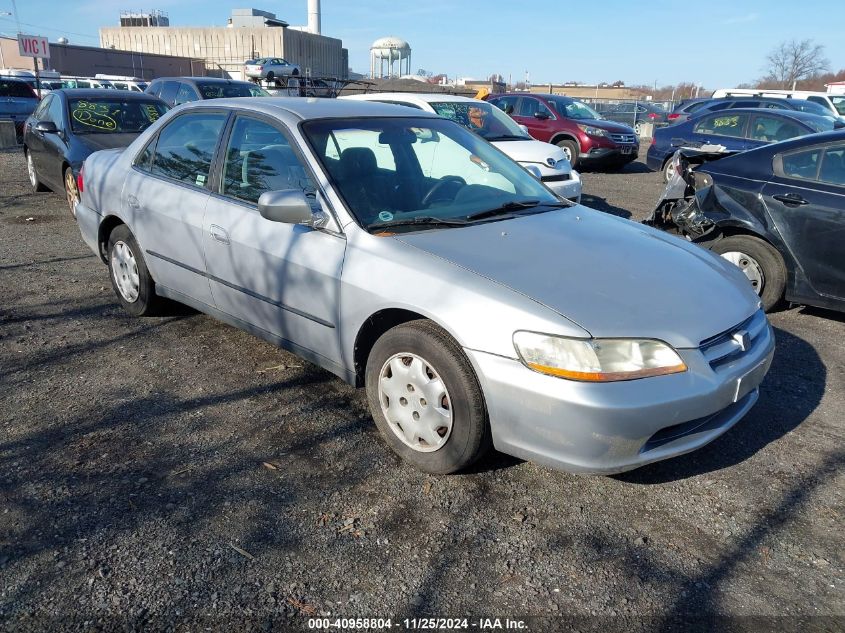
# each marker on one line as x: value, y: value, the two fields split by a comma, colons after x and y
x: 673, y: 116
x: 653, y: 115
x: 80, y: 183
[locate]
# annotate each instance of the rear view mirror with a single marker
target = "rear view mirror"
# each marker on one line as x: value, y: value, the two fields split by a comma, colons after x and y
x: 289, y: 206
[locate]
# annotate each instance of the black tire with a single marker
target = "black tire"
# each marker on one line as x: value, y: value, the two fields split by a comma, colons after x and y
x: 768, y: 259
x: 571, y: 148
x: 271, y: 76
x: 295, y: 72
x: 470, y: 434
x: 34, y: 182
x: 147, y: 302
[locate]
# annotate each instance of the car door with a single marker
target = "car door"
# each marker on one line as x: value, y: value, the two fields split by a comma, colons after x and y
x: 534, y: 115
x: 36, y: 141
x: 726, y: 129
x: 164, y: 199
x: 806, y: 200
x: 55, y: 145
x: 281, y: 278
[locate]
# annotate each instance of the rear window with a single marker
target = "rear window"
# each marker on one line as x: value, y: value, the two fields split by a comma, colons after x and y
x: 15, y: 89
x: 113, y: 116
x: 215, y: 90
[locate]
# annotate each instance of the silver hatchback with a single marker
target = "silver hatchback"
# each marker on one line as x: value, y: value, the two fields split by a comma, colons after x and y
x: 405, y: 254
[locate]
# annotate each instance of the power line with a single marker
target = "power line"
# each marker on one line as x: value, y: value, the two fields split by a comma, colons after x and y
x: 45, y: 28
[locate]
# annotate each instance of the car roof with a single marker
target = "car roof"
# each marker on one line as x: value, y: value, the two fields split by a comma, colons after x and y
x: 427, y: 97
x: 312, y: 107
x: 790, y: 114
x: 95, y: 93
x: 210, y: 80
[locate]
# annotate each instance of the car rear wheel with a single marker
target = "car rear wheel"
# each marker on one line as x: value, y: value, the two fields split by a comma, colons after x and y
x: 71, y: 191
x: 33, y: 175
x: 425, y: 398
x: 668, y: 170
x: 759, y: 262
x: 129, y: 274
x: 570, y: 148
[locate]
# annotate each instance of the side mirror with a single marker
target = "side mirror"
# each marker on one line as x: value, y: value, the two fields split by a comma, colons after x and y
x: 541, y: 115
x: 289, y: 206
x: 46, y: 127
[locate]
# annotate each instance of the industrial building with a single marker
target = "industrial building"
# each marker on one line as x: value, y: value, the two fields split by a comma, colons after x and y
x: 249, y: 34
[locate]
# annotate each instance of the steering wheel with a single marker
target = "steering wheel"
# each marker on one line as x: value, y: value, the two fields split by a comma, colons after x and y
x: 439, y: 186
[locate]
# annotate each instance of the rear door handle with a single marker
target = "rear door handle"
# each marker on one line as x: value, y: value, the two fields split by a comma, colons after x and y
x: 790, y: 199
x: 132, y: 201
x: 219, y: 234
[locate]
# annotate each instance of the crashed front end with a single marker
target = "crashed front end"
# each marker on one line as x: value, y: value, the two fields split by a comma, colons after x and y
x: 690, y: 204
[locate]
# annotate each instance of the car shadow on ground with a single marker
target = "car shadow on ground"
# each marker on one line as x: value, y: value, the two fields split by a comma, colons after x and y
x: 601, y: 204
x: 792, y: 390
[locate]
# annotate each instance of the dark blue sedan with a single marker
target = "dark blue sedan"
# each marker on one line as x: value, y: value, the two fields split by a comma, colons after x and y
x: 737, y: 129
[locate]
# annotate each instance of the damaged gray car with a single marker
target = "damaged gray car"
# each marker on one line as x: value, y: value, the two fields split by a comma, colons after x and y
x: 777, y: 212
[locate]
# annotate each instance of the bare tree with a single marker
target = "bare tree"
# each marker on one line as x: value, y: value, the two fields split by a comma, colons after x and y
x: 792, y: 61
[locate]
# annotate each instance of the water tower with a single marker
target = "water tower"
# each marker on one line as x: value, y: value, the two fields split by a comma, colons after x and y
x: 389, y: 50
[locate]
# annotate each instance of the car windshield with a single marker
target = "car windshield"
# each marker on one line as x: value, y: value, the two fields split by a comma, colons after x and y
x: 220, y: 90
x: 400, y: 174
x: 839, y: 104
x: 486, y: 120
x: 113, y: 116
x: 15, y: 89
x: 574, y: 109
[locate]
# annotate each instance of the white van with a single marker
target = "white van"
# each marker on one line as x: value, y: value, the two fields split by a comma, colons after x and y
x: 833, y: 102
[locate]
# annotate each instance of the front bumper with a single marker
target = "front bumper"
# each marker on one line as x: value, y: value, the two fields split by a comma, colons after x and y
x: 621, y: 154
x: 569, y: 189
x: 606, y: 428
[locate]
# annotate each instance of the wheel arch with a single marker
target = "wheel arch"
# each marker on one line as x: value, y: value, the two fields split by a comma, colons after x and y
x: 565, y: 136
x: 109, y: 223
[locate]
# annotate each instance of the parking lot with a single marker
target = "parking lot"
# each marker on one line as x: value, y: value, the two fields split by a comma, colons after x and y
x: 177, y: 471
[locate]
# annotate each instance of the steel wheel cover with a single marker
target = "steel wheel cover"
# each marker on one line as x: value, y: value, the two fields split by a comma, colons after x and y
x: 125, y: 271
x: 750, y: 268
x: 71, y: 192
x: 30, y: 169
x: 415, y: 402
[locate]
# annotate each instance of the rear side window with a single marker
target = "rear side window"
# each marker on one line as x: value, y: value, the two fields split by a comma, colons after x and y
x: 169, y: 90
x: 16, y: 89
x: 186, y: 146
x: 505, y: 104
x: 186, y: 93
x: 833, y: 166
x: 804, y: 165
x: 155, y: 88
x: 772, y: 129
x: 722, y: 125
x: 530, y: 107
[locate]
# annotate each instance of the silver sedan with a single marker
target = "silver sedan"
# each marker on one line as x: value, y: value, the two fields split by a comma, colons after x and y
x: 405, y: 254
x: 270, y: 68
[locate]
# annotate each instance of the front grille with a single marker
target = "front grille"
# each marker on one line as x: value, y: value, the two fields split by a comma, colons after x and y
x: 624, y: 138
x: 558, y: 178
x: 734, y: 343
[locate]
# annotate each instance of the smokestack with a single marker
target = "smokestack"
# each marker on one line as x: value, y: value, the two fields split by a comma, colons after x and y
x: 314, y: 16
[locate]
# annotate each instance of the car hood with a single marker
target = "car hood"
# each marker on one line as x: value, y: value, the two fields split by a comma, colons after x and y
x: 530, y: 151
x: 604, y: 124
x: 611, y: 276
x: 96, y: 142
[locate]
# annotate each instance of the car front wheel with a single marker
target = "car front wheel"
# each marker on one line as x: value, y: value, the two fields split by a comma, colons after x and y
x: 33, y: 175
x: 570, y: 149
x: 761, y: 264
x: 425, y: 398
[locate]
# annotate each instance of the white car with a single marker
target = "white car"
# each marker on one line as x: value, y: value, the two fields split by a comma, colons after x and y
x: 542, y: 159
x: 270, y: 68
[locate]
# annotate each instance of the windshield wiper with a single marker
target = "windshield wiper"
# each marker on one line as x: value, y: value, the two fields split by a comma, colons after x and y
x: 514, y: 205
x: 424, y: 220
x: 507, y: 137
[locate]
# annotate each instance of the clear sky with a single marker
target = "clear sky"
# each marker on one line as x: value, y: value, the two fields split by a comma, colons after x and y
x: 716, y: 43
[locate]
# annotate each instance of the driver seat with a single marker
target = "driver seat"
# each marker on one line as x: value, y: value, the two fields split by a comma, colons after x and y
x: 366, y: 189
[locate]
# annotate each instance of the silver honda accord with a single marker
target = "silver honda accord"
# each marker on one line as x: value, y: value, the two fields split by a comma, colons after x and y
x: 406, y: 255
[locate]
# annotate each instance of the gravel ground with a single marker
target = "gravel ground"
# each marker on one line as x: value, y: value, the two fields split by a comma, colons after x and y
x: 178, y: 473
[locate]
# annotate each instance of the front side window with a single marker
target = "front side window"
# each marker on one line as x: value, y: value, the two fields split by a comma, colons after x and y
x: 54, y: 113
x: 113, y: 115
x: 772, y: 129
x: 722, y: 125
x: 41, y: 110
x: 169, y: 90
x: 185, y: 147
x: 260, y: 158
x: 574, y: 109
x: 186, y: 94
x: 505, y: 104
x: 411, y: 173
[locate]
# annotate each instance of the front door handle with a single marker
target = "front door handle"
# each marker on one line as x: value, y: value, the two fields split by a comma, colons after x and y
x: 132, y: 201
x: 790, y: 199
x: 219, y: 234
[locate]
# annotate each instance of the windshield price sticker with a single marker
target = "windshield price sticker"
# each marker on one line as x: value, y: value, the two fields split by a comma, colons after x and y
x: 94, y: 115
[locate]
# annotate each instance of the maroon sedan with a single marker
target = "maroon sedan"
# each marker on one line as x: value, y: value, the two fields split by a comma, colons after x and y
x: 581, y: 132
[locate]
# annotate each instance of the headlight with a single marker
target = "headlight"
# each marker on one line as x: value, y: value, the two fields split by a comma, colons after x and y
x: 596, y: 360
x: 592, y: 131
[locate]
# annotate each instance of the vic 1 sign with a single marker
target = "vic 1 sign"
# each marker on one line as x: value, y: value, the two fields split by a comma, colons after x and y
x: 33, y: 46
